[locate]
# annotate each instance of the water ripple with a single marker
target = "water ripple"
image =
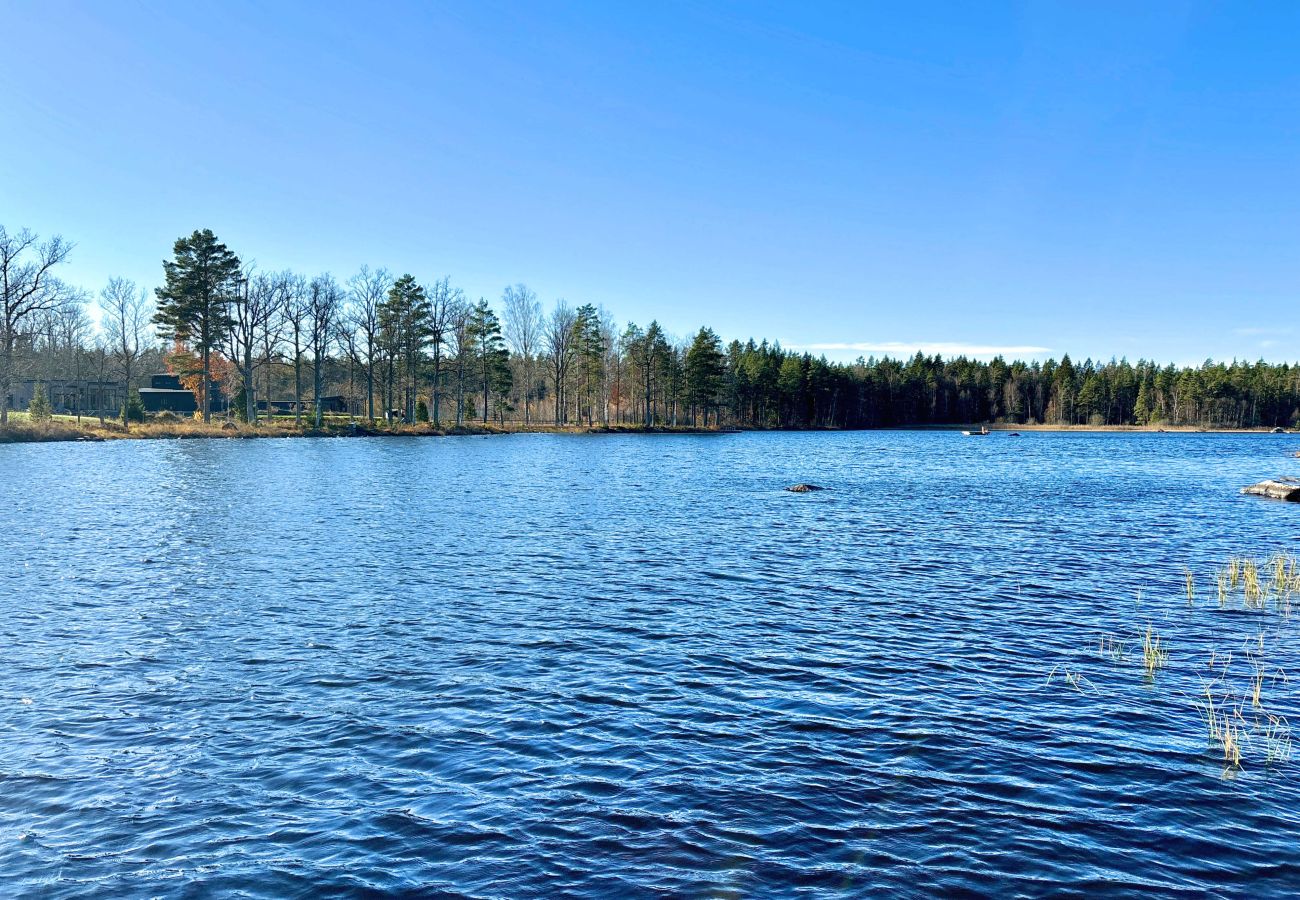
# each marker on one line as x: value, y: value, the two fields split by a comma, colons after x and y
x: 594, y: 666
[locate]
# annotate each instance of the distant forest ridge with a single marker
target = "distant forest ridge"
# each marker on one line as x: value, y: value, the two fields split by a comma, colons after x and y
x: 377, y: 346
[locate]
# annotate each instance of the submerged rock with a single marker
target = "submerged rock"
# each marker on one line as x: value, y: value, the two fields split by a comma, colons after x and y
x: 802, y: 488
x: 1277, y: 489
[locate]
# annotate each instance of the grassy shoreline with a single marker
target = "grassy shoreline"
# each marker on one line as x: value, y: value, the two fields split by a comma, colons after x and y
x: 63, y: 429
x: 66, y: 428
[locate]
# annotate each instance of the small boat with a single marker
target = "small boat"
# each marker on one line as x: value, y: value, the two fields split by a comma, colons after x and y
x: 983, y: 432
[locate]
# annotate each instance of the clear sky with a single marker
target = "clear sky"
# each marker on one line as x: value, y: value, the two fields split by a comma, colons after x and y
x: 1103, y: 179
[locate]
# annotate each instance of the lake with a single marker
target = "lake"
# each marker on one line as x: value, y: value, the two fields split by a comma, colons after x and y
x: 591, y: 666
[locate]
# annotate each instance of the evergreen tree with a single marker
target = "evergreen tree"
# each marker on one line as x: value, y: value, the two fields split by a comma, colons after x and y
x: 589, y: 353
x: 491, y: 356
x: 193, y: 301
x: 39, y: 409
x: 405, y: 323
x: 133, y: 409
x: 705, y: 371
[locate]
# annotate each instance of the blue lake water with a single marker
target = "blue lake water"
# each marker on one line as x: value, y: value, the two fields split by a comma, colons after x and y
x: 633, y: 666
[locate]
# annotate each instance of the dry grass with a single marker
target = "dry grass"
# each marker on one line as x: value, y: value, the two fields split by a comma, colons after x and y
x: 170, y: 427
x: 1109, y: 647
x: 1079, y: 682
x: 1276, y: 737
x: 1225, y: 727
x: 24, y: 432
x: 1272, y: 583
x: 1155, y: 656
x: 1239, y: 702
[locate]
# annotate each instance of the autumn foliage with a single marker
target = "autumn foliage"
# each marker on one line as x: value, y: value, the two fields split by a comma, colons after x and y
x: 188, y: 368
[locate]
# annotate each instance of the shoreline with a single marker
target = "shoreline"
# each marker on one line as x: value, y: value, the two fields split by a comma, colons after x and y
x: 1119, y: 429
x: 59, y: 431
x: 92, y: 432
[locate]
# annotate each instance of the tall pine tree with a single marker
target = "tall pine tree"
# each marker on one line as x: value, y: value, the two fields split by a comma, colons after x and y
x: 705, y: 371
x: 192, y: 303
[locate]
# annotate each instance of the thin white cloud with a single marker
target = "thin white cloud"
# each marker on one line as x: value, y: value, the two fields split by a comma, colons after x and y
x: 1256, y: 332
x: 942, y: 348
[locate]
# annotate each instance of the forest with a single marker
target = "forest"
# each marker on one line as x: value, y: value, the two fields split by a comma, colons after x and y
x: 250, y: 343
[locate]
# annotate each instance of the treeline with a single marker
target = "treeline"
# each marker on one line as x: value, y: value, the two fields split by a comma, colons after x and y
x: 769, y: 386
x: 383, y: 346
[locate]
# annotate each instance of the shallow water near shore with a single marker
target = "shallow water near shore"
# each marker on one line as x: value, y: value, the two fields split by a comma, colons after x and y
x: 567, y: 665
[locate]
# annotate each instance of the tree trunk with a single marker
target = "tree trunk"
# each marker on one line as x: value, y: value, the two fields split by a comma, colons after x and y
x: 370, y: 382
x: 207, y: 386
x: 435, y: 387
x: 528, y: 386
x: 316, y: 389
x: 297, y: 384
x: 126, y: 394
x: 250, y: 391
x: 6, y: 374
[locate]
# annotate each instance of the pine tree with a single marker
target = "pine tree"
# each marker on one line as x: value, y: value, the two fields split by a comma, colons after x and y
x: 589, y: 349
x: 405, y: 322
x: 193, y: 302
x: 39, y: 409
x: 491, y: 356
x: 705, y: 372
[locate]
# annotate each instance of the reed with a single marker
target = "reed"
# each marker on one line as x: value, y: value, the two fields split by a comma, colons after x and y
x: 1277, y: 739
x: 1154, y: 653
x: 1079, y: 682
x: 1112, y: 648
x: 1190, y: 584
x: 1223, y: 661
x: 1232, y: 744
x: 1224, y: 727
x: 1252, y: 590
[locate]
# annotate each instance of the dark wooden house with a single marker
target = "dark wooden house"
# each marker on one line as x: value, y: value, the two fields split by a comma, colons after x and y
x: 165, y: 393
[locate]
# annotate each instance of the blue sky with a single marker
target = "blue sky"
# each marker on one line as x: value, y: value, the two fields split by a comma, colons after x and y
x: 1103, y: 179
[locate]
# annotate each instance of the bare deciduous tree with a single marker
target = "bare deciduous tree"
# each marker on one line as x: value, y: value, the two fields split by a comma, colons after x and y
x: 523, y: 327
x: 558, y: 335
x: 101, y: 354
x: 324, y: 303
x: 445, y: 306
x: 127, y: 320
x: 27, y: 289
x: 252, y: 306
x: 461, y: 339
x: 367, y: 289
x: 271, y: 334
x: 295, y: 308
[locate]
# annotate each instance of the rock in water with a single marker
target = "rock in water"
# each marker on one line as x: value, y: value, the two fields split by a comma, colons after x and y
x: 805, y: 488
x: 1277, y: 489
